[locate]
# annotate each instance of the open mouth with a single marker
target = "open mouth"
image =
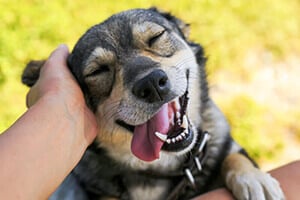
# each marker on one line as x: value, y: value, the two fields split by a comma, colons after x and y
x: 169, y: 130
x: 180, y: 134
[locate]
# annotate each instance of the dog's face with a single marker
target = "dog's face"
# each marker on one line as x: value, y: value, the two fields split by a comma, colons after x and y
x: 140, y: 76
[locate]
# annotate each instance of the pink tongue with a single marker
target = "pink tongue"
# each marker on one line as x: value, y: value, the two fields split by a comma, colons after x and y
x: 145, y: 145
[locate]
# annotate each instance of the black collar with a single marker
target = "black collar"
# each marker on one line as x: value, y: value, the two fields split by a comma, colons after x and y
x: 192, y: 167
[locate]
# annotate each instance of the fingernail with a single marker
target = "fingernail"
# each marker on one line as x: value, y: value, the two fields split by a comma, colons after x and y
x: 61, y: 46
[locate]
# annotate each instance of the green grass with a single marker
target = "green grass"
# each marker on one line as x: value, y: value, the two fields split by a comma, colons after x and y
x: 250, y: 127
x: 31, y: 29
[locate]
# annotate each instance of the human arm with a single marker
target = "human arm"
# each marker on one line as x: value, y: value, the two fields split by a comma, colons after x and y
x: 39, y: 150
x: 287, y: 175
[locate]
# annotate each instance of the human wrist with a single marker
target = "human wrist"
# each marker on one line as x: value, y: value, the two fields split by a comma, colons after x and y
x: 65, y: 127
x: 73, y: 112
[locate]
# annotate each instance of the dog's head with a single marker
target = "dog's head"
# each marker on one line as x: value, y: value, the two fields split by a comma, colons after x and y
x: 141, y: 77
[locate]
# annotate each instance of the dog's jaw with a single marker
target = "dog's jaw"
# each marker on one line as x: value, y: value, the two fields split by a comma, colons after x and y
x: 118, y: 137
x: 178, y: 133
x: 167, y: 161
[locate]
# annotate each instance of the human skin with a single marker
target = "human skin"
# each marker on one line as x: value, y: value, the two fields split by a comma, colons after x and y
x: 41, y: 148
x: 287, y: 175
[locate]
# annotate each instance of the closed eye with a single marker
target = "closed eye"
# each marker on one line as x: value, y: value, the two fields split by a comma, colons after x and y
x: 155, y: 37
x: 100, y: 70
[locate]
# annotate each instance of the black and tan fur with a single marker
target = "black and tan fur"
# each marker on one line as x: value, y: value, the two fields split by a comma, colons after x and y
x: 108, y: 61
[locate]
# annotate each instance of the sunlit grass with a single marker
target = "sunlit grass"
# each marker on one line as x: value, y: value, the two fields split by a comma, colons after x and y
x: 250, y: 127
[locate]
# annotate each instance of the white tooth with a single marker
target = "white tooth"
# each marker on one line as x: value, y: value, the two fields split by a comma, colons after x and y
x: 186, y: 131
x: 184, y: 122
x: 179, y: 138
x: 188, y: 95
x: 161, y: 136
x: 182, y: 134
x: 178, y: 122
x: 173, y: 140
x: 177, y: 105
x: 168, y: 141
x: 178, y: 115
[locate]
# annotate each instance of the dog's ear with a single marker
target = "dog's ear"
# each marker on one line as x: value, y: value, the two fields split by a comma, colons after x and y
x: 31, y: 72
x: 182, y: 27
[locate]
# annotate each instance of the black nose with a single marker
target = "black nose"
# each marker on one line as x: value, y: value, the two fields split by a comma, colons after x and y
x: 153, y: 87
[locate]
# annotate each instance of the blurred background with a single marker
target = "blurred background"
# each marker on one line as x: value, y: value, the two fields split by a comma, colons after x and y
x: 253, y: 50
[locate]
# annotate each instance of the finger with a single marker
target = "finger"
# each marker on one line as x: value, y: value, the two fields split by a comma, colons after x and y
x: 32, y: 96
x: 56, y: 64
x: 61, y: 51
x: 59, y: 55
x: 54, y: 68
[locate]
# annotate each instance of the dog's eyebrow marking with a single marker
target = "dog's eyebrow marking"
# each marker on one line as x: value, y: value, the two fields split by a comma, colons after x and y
x: 99, y: 56
x: 102, y: 53
x: 144, y: 30
x: 147, y: 27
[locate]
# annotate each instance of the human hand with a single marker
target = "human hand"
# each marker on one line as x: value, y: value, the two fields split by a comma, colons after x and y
x: 43, y: 146
x: 57, y: 85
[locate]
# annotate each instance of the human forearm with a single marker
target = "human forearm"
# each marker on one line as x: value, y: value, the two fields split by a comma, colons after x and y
x: 32, y: 148
x: 288, y: 177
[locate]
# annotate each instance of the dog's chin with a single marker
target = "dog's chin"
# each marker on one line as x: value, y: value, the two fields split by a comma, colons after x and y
x: 181, y: 135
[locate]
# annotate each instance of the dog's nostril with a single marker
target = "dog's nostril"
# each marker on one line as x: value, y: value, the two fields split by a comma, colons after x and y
x: 145, y: 93
x: 162, y: 82
x: 153, y: 87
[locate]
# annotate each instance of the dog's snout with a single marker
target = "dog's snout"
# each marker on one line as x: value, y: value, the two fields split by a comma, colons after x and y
x: 153, y: 88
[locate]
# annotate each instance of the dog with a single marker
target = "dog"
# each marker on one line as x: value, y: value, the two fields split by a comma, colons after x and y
x: 161, y: 136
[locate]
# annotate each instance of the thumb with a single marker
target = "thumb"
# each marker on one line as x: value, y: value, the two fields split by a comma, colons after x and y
x: 57, y: 62
x: 55, y: 68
